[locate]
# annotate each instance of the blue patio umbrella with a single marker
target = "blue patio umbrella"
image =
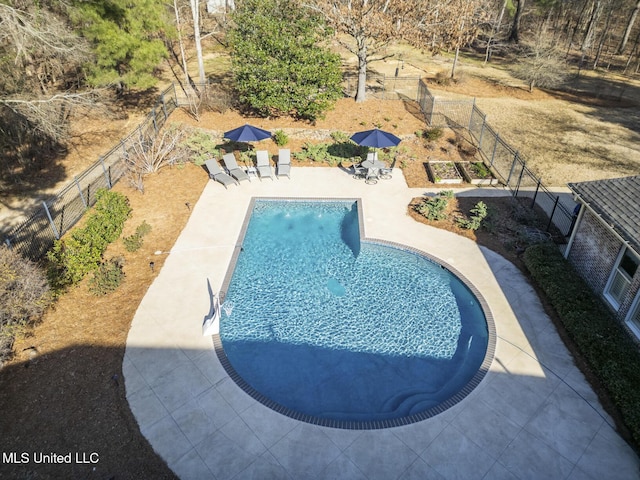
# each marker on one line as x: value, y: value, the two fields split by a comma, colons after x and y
x: 375, y: 138
x: 247, y: 133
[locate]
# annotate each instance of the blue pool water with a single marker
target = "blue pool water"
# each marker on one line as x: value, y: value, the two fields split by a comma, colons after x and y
x: 335, y: 328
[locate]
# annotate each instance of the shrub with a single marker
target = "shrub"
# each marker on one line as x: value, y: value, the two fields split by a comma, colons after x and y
x: 24, y: 295
x: 72, y: 258
x: 443, y: 78
x: 201, y: 146
x: 339, y: 136
x: 107, y: 277
x: 598, y: 336
x: 433, y: 134
x: 434, y: 208
x: 280, y: 138
x: 133, y: 242
x: 478, y: 214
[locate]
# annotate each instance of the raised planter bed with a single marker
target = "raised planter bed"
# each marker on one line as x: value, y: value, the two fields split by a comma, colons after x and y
x: 443, y: 172
x: 477, y: 173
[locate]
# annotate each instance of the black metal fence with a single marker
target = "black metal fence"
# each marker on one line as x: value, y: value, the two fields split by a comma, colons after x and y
x: 57, y: 215
x: 504, y: 160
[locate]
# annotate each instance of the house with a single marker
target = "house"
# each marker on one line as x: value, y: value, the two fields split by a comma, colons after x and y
x: 604, y: 246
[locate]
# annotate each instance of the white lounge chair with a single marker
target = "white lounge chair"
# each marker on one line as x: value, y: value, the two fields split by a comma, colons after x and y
x: 232, y: 167
x: 262, y: 163
x: 216, y: 173
x: 284, y: 162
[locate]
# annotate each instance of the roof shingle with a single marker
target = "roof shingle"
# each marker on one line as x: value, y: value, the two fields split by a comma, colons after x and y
x: 617, y: 201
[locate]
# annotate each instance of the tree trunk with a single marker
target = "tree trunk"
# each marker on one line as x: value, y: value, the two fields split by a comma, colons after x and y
x: 182, y: 54
x: 603, y: 37
x: 361, y: 93
x: 195, y: 10
x: 629, y: 27
x: 455, y: 61
x: 514, y: 36
x: 494, y: 30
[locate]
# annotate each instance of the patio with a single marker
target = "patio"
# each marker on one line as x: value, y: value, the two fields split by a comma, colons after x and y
x: 533, y: 416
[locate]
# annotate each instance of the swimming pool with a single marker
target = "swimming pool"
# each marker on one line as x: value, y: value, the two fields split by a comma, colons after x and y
x: 333, y: 329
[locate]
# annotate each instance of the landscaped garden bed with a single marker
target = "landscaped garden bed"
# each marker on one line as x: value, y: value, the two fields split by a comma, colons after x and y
x: 477, y: 173
x: 444, y: 172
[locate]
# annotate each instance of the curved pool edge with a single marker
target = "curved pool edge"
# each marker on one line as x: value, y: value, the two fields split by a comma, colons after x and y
x: 356, y: 424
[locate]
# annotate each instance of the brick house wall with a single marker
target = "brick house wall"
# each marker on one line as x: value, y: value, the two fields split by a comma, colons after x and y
x: 593, y: 254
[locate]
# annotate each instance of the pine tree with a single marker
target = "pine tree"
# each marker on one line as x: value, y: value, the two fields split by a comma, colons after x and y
x: 278, y: 65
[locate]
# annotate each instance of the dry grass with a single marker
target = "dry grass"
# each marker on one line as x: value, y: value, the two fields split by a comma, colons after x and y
x: 70, y: 396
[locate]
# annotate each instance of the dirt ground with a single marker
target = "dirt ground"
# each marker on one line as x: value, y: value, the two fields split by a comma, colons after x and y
x: 63, y: 392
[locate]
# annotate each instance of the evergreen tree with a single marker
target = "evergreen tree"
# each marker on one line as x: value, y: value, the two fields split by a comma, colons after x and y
x: 127, y: 38
x: 278, y: 66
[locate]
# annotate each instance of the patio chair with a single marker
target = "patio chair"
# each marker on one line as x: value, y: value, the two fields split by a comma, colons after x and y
x: 216, y: 173
x: 284, y: 162
x: 372, y: 175
x: 232, y: 167
x: 262, y: 162
x: 358, y: 171
x: 386, y: 172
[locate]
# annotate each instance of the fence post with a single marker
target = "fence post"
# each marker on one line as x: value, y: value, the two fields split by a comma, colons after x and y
x: 553, y: 211
x: 473, y: 106
x: 513, y: 165
x: 482, y: 132
x: 8, y: 243
x: 520, y: 179
x: 106, y: 174
x: 164, y: 107
x: 433, y: 107
x: 75, y: 180
x: 493, y: 154
x: 153, y: 118
x: 533, y: 203
x: 53, y: 225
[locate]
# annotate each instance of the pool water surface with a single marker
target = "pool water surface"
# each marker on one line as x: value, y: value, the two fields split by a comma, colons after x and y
x: 344, y: 330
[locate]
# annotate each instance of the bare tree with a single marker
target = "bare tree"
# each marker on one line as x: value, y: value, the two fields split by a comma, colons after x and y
x: 463, y: 19
x: 495, y: 28
x: 629, y: 27
x: 195, y: 12
x: 542, y: 65
x: 514, y: 35
x: 40, y: 83
x: 372, y: 24
x: 151, y: 154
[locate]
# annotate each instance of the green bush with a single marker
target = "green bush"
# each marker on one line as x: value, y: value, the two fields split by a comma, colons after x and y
x: 133, y: 242
x: 107, y: 277
x: 434, y: 208
x: 201, y: 146
x: 478, y: 214
x: 600, y: 338
x: 433, y: 134
x: 24, y: 295
x: 339, y: 136
x: 72, y: 258
x: 280, y: 138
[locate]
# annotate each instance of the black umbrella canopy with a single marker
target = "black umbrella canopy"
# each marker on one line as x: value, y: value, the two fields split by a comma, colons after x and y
x: 247, y: 133
x: 375, y: 138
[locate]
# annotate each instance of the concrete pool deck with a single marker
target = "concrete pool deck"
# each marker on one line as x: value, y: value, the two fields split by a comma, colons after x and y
x: 533, y: 415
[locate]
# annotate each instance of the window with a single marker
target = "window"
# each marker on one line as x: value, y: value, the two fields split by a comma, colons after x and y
x: 620, y: 280
x: 633, y: 319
